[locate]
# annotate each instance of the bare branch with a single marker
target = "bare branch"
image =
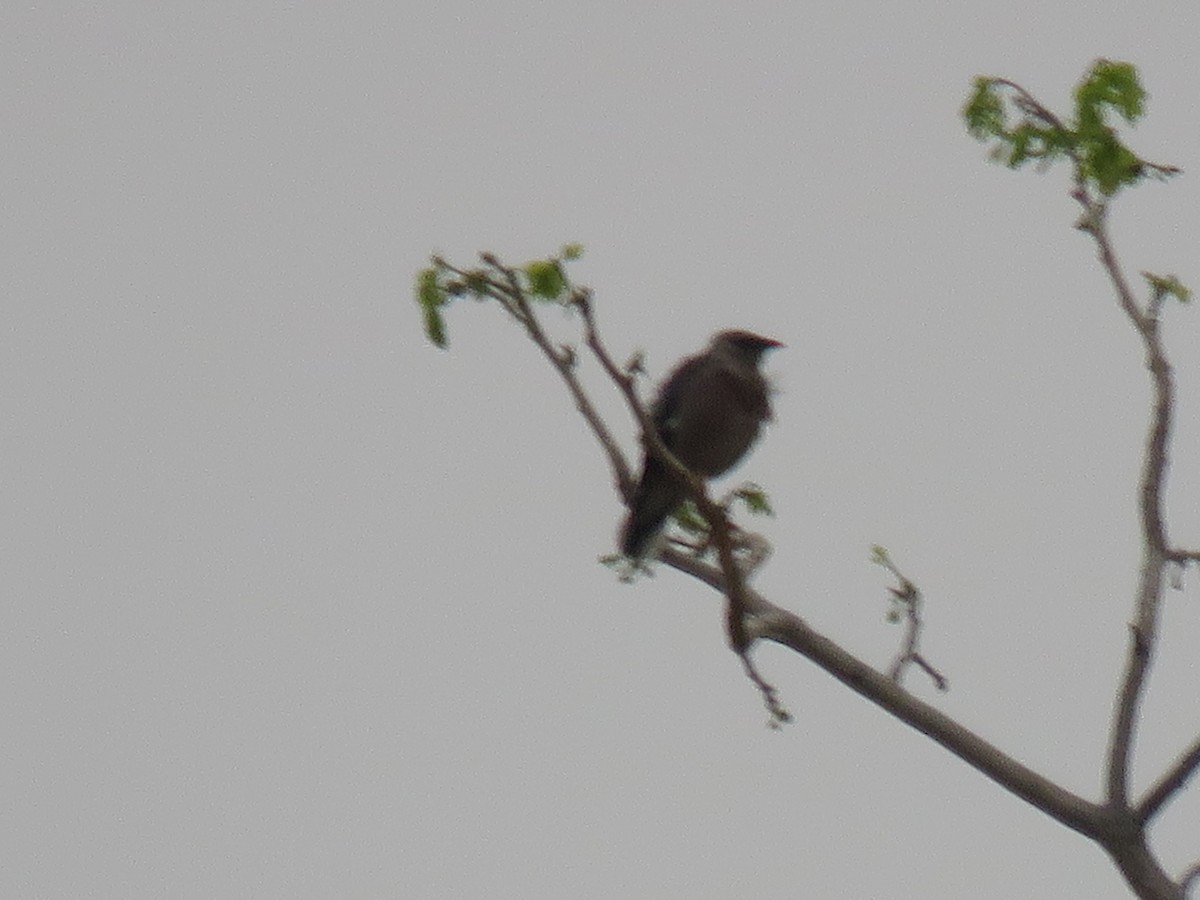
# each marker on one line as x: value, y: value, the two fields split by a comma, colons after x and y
x: 509, y: 291
x: 779, y: 714
x: 713, y: 512
x: 1156, y: 552
x: 1126, y: 845
x: 1144, y: 629
x: 770, y: 622
x: 906, y: 599
x: 1124, y: 835
x: 1029, y: 104
x: 751, y: 617
x: 1161, y: 171
x: 512, y: 298
x: 939, y: 680
x: 1170, y: 782
x: 1095, y: 217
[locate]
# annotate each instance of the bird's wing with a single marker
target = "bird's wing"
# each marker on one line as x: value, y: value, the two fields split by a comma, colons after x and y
x: 710, y: 411
x: 667, y: 406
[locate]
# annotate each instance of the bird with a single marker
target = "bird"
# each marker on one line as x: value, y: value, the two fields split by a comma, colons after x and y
x: 708, y: 413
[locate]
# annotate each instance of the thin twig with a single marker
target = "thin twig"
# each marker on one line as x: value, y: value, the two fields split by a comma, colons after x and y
x: 512, y: 299
x: 1183, y: 557
x: 907, y: 596
x: 1029, y: 104
x: 770, y: 622
x: 507, y: 289
x: 779, y: 714
x: 1140, y: 868
x: 1169, y: 783
x: 713, y: 512
x: 1144, y: 629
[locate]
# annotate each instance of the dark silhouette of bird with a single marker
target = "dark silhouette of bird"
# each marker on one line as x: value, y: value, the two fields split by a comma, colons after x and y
x: 708, y: 413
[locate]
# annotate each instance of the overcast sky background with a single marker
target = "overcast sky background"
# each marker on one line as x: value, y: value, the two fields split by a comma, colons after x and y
x: 299, y: 606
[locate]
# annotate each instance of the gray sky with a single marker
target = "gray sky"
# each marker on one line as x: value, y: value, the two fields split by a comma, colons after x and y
x: 302, y: 607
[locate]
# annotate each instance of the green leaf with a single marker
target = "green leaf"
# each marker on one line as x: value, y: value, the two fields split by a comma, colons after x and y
x: 1030, y: 141
x: 1167, y: 286
x: 756, y: 500
x: 1110, y: 163
x: 1103, y: 160
x: 571, y: 251
x: 435, y: 327
x: 1032, y: 138
x: 689, y: 519
x: 984, y: 111
x: 432, y: 297
x: 476, y: 281
x: 546, y: 278
x: 1109, y: 85
x: 429, y: 292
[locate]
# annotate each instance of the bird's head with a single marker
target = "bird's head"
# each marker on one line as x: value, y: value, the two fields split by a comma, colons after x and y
x: 743, y: 345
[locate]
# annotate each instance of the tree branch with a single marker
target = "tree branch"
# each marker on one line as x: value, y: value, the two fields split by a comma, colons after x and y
x: 1170, y: 782
x: 713, y: 512
x: 511, y: 297
x: 1124, y: 835
x: 1144, y: 629
x: 1115, y: 825
x: 503, y: 284
x: 906, y: 604
x: 770, y: 622
x: 749, y: 615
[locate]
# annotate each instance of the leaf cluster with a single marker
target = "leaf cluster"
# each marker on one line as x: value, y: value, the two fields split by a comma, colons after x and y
x: 749, y: 495
x: 1023, y: 130
x: 440, y: 283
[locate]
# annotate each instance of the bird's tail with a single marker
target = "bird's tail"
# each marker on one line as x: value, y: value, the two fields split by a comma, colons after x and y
x: 658, y: 495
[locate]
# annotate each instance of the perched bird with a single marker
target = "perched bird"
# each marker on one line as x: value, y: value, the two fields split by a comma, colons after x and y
x: 708, y: 413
